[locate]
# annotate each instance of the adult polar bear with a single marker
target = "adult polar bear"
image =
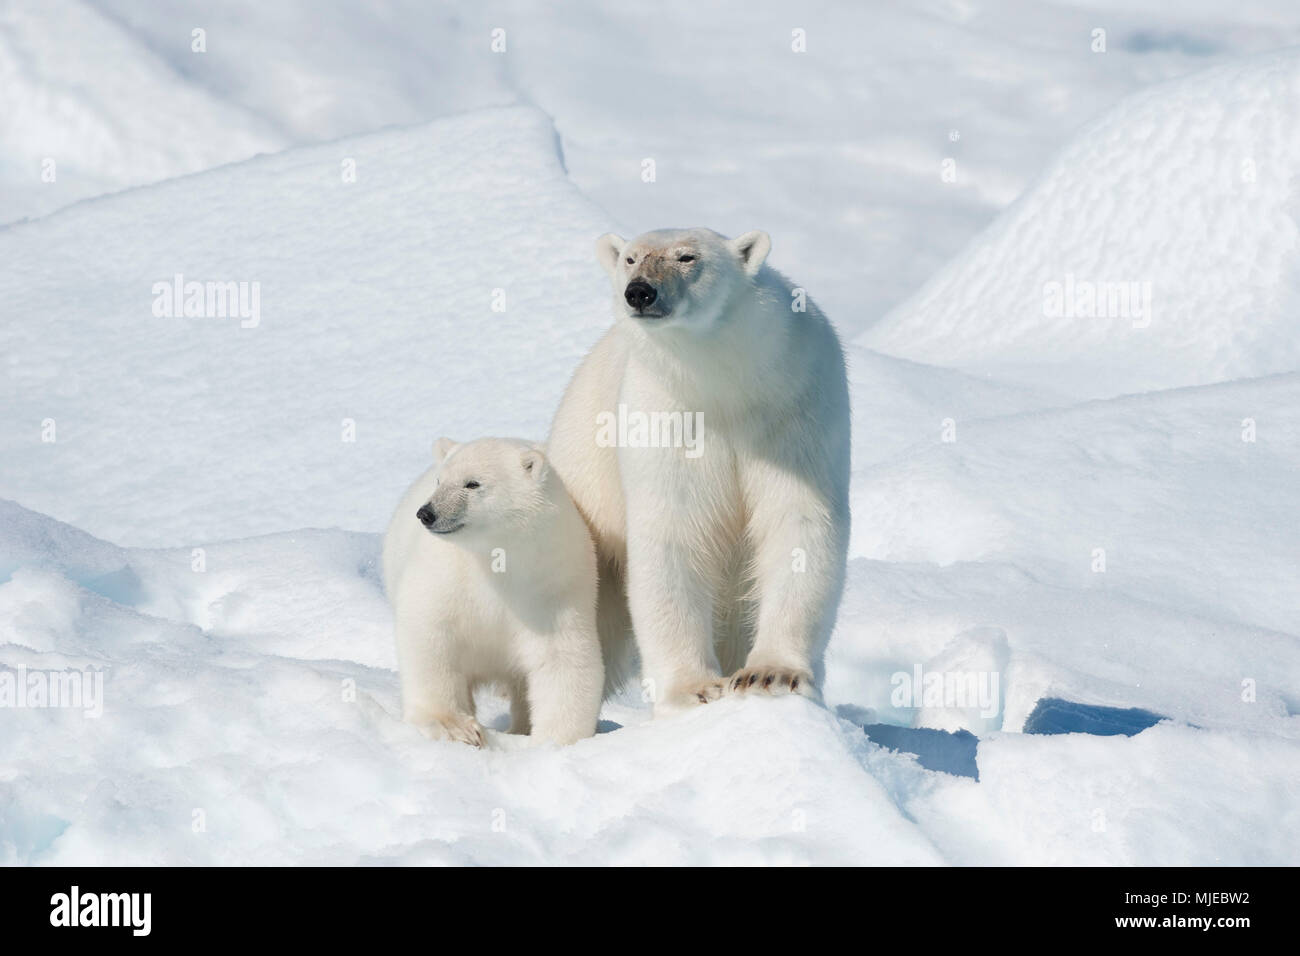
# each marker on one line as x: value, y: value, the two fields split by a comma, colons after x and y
x: 735, y: 546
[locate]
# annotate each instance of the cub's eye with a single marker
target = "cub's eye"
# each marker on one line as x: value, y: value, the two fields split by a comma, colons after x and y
x: 471, y: 484
x: 630, y: 260
x: 686, y: 258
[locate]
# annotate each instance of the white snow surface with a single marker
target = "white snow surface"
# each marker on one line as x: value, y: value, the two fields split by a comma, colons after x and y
x: 1185, y: 195
x: 202, y: 532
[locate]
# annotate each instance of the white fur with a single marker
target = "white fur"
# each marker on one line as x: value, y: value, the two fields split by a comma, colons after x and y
x: 732, y: 561
x: 507, y: 596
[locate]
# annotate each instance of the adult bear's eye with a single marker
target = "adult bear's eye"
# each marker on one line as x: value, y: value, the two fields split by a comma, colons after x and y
x: 686, y: 258
x: 630, y: 260
x: 471, y: 484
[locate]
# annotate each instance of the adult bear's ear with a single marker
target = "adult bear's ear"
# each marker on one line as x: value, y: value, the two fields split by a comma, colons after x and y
x: 534, y: 463
x: 442, y: 448
x: 608, y: 248
x: 752, y: 248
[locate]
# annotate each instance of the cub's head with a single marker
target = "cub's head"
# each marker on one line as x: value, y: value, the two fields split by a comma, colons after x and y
x: 679, y: 277
x: 485, y: 488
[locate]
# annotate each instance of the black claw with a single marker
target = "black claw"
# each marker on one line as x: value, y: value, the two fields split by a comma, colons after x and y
x: 794, y: 683
x: 768, y: 681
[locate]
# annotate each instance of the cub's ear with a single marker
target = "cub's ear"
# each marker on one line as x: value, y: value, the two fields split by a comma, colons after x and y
x: 442, y: 448
x: 534, y: 463
x: 752, y: 248
x: 608, y: 248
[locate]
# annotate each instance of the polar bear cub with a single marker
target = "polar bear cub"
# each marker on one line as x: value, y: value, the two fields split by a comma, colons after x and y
x: 491, y: 573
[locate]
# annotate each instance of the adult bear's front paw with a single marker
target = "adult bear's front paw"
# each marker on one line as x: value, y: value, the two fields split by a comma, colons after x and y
x: 775, y: 681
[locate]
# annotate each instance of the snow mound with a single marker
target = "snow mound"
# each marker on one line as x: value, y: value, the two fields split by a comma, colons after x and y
x: 74, y: 84
x: 450, y: 289
x: 115, y: 93
x: 1141, y: 478
x: 249, y: 715
x: 1098, y: 646
x: 854, y: 129
x: 898, y: 404
x: 255, y: 694
x: 1147, y: 800
x: 319, y: 71
x: 1159, y: 249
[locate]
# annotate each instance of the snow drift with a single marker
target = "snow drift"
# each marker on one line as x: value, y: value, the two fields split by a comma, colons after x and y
x: 449, y: 289
x: 1158, y: 249
x: 250, y: 716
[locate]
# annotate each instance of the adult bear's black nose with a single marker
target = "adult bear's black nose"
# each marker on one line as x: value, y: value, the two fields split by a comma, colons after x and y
x: 426, y: 516
x: 639, y: 293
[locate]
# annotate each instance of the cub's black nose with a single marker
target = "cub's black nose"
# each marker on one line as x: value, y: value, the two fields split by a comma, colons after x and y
x: 426, y: 516
x: 639, y: 294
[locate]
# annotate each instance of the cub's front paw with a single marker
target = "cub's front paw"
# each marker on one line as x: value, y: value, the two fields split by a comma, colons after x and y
x: 711, y: 690
x: 690, y: 696
x: 774, y: 681
x: 461, y: 728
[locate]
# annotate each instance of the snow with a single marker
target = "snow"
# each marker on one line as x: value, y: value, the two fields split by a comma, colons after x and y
x: 367, y: 290
x: 203, y: 533
x: 72, y: 84
x: 838, y: 148
x: 1185, y: 190
x: 1168, y: 796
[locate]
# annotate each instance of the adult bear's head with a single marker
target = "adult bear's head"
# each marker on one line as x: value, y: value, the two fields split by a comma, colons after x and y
x: 685, y: 278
